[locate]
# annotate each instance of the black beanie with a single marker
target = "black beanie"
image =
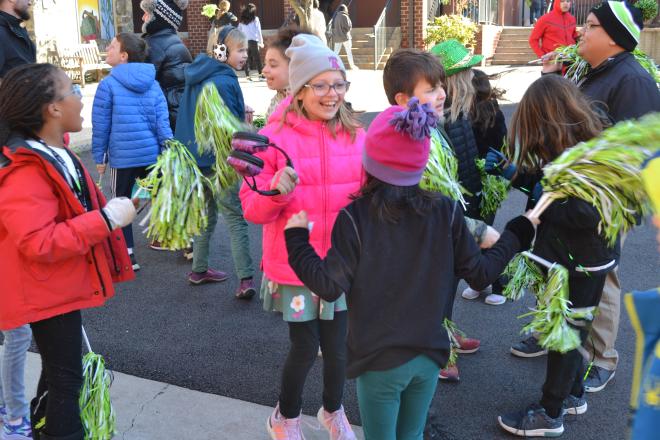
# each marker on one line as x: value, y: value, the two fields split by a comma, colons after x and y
x: 622, y: 22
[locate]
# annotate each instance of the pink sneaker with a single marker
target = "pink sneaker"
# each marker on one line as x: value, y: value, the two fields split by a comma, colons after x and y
x: 281, y: 428
x: 449, y: 374
x: 337, y: 424
x: 467, y: 345
x: 210, y: 276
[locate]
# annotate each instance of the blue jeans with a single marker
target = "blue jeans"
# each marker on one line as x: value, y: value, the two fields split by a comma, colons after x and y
x: 12, y: 370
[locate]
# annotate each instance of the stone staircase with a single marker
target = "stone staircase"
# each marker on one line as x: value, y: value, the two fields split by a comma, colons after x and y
x: 513, y: 47
x: 363, y: 48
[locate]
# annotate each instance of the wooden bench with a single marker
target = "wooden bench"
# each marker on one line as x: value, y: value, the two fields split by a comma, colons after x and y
x: 80, y: 59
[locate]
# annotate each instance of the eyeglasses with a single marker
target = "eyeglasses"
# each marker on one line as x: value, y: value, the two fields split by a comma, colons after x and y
x: 588, y: 26
x: 75, y: 91
x: 322, y: 89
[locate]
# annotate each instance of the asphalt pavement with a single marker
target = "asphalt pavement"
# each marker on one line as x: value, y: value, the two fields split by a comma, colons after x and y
x: 161, y: 328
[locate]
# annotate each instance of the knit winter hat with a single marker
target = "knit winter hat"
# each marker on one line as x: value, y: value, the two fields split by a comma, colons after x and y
x: 455, y: 57
x: 167, y: 12
x: 622, y: 21
x: 397, y: 145
x: 309, y: 57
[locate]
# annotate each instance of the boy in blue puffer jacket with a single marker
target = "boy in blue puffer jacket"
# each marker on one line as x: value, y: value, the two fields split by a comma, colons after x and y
x: 130, y: 120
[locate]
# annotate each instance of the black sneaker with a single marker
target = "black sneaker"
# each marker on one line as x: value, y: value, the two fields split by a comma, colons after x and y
x: 533, y: 422
x: 597, y: 379
x: 574, y: 405
x: 528, y: 348
x: 134, y: 262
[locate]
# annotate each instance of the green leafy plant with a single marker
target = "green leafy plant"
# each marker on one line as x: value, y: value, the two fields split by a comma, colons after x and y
x: 259, y: 121
x: 649, y: 8
x: 494, y: 190
x: 447, y: 27
x: 178, y: 197
x: 214, y: 126
x: 441, y: 173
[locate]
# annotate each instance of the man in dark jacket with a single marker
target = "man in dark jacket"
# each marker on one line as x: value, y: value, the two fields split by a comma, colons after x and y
x: 611, y: 32
x: 16, y: 47
x: 167, y: 52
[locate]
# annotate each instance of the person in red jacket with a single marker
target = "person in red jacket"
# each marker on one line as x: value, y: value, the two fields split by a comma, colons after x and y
x: 61, y: 245
x: 554, y: 29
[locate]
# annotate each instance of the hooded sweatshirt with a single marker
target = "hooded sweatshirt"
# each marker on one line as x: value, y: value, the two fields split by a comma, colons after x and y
x: 129, y: 118
x: 203, y: 70
x: 554, y: 29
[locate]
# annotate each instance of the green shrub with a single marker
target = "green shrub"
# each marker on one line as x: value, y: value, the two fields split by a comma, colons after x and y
x: 649, y: 8
x: 447, y: 27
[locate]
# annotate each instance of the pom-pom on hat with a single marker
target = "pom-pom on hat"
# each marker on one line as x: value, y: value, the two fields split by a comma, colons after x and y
x: 309, y: 57
x: 164, y: 13
x: 397, y: 145
x: 455, y: 57
x: 621, y: 21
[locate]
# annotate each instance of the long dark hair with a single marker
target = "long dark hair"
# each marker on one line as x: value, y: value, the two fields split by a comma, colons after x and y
x: 248, y: 13
x: 390, y: 202
x: 23, y: 93
x: 484, y: 107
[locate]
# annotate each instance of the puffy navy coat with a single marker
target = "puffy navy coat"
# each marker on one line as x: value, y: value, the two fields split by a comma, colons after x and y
x: 129, y: 118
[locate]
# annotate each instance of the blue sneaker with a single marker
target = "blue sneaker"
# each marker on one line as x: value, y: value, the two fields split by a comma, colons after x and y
x: 22, y: 431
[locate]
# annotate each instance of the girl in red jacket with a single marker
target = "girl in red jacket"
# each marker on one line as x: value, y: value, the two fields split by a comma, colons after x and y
x: 324, y: 141
x: 61, y: 245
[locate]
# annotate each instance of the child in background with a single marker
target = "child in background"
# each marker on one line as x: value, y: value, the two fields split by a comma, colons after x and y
x: 130, y: 122
x: 324, y: 142
x: 276, y: 70
x: 489, y: 128
x: 60, y: 246
x: 251, y: 27
x: 488, y: 123
x: 396, y: 251
x: 14, y: 407
x: 410, y: 73
x: 230, y: 54
x: 568, y: 235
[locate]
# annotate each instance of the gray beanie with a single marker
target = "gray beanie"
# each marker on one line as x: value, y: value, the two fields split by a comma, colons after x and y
x: 309, y: 57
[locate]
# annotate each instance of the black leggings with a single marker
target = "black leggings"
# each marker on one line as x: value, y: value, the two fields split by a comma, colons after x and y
x: 122, y: 182
x: 254, y: 58
x: 59, y: 340
x: 565, y: 371
x: 305, y: 338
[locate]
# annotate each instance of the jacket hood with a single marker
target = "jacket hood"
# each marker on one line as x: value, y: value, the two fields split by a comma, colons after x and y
x: 205, y: 67
x: 137, y: 77
x: 556, y: 7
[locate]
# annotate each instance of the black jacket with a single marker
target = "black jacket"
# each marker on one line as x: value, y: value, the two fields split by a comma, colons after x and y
x: 568, y: 233
x: 16, y: 48
x: 493, y: 136
x: 461, y: 139
x: 623, y: 86
x: 170, y: 56
x: 399, y: 278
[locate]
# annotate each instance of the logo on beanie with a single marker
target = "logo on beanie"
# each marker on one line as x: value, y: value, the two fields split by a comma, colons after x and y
x: 334, y: 63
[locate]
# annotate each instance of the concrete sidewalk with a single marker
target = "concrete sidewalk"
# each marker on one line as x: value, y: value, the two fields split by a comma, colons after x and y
x: 149, y: 410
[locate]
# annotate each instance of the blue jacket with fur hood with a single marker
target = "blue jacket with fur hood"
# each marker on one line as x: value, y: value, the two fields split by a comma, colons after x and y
x: 129, y: 118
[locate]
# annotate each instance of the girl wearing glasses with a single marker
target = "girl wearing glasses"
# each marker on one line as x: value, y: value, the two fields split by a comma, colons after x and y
x: 324, y: 141
x: 61, y: 245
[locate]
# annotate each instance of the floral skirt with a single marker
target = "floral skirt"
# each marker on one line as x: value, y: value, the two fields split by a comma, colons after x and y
x: 298, y: 303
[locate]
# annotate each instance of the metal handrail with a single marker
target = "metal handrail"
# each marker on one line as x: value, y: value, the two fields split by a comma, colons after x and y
x: 382, y: 34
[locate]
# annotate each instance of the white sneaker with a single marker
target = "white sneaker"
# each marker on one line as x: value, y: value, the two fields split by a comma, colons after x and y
x: 495, y: 300
x: 336, y: 424
x: 281, y: 428
x: 470, y: 293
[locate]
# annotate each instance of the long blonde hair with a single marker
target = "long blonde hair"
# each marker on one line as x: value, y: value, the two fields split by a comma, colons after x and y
x: 460, y: 94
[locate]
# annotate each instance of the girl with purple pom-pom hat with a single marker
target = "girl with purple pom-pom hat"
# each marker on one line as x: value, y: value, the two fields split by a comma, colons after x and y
x: 396, y: 250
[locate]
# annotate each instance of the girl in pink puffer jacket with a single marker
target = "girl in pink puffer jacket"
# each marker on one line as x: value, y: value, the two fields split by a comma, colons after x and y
x: 324, y: 142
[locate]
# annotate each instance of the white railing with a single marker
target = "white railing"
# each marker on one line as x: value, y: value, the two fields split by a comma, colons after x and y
x: 389, y: 20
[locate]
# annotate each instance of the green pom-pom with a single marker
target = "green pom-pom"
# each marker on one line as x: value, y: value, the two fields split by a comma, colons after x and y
x: 96, y: 412
x: 441, y: 173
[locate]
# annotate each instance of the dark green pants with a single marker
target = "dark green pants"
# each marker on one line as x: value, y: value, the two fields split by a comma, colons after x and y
x: 394, y: 403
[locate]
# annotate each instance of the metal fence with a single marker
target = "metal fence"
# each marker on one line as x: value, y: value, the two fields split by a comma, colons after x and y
x: 388, y: 22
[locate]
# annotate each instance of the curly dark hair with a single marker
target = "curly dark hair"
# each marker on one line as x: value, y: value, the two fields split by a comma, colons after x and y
x: 23, y: 93
x: 284, y: 37
x: 248, y: 13
x: 484, y: 106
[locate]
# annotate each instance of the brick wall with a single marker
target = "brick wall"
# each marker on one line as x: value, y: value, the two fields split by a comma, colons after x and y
x: 419, y: 23
x: 198, y: 26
